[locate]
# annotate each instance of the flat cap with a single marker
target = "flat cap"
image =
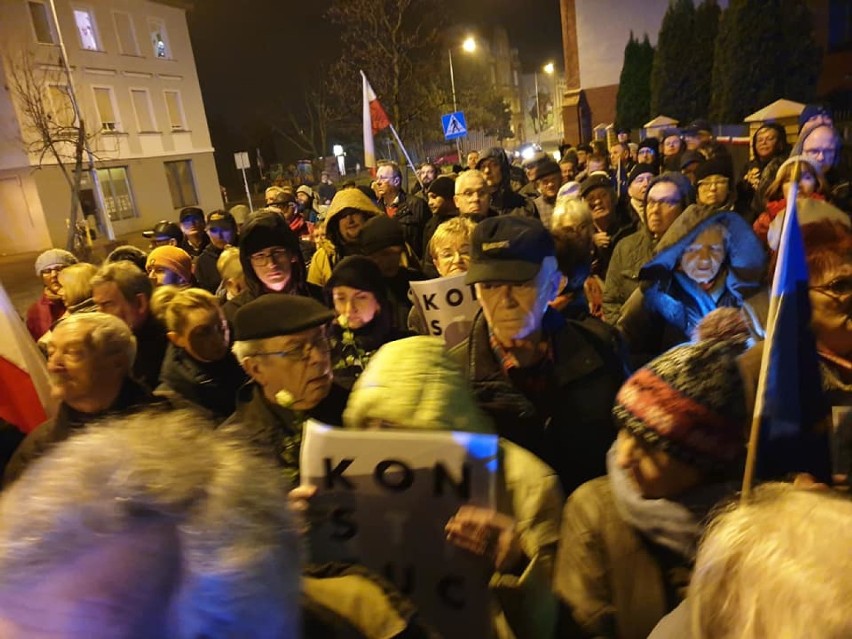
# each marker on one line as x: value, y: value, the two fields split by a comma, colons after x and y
x: 277, y: 314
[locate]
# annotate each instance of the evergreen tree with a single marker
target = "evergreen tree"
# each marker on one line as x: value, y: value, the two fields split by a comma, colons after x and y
x: 765, y: 50
x: 633, y: 102
x: 671, y: 78
x: 706, y: 26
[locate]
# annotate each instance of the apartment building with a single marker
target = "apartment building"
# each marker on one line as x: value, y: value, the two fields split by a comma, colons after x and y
x: 135, y: 81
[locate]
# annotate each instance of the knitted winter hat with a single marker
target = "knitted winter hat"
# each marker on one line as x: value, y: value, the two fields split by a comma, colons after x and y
x: 173, y: 258
x: 443, y: 186
x: 650, y: 143
x: 719, y: 165
x: 641, y: 169
x: 52, y: 258
x: 358, y: 272
x: 380, y: 233
x: 690, y: 403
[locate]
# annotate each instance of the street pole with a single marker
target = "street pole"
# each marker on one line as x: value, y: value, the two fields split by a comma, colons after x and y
x: 537, y: 109
x: 93, y: 172
x: 455, y: 108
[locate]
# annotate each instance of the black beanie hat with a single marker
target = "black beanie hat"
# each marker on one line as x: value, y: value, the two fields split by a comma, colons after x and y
x: 719, y: 165
x: 641, y: 168
x: 266, y: 230
x: 443, y: 186
x: 358, y: 272
x: 379, y: 233
x: 650, y: 143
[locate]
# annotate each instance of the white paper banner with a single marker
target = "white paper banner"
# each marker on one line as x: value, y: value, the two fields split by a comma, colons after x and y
x: 448, y: 305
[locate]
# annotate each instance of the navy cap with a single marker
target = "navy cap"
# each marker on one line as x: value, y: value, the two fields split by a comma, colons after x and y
x: 508, y: 248
x: 163, y: 229
x: 595, y: 180
x: 191, y: 211
x: 277, y: 314
x: 221, y: 218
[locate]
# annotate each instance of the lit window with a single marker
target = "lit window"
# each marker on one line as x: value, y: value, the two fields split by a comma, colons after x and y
x: 174, y: 107
x: 181, y: 183
x: 127, y: 42
x: 42, y: 22
x: 105, y: 103
x: 159, y: 39
x: 118, y: 199
x: 85, y: 20
x: 144, y: 113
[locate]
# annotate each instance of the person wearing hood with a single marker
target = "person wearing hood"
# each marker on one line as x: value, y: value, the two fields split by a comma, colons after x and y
x: 628, y: 540
x: 713, y: 180
x: 271, y: 258
x: 769, y: 149
x: 664, y: 198
x: 707, y: 259
x: 349, y: 211
x: 364, y: 319
x: 222, y: 231
x: 414, y: 384
x: 494, y: 165
x: 199, y: 369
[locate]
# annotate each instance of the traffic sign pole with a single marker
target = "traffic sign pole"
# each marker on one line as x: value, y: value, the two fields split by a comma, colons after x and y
x: 455, y: 106
x: 241, y: 159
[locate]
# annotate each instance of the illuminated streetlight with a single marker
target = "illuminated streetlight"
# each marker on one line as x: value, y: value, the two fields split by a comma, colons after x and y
x: 548, y: 68
x: 469, y: 44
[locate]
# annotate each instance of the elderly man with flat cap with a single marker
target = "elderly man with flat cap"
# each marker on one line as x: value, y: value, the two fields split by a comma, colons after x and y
x: 547, y: 382
x: 281, y: 342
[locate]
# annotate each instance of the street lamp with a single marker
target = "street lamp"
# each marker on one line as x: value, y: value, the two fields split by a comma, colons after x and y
x: 469, y: 45
x: 548, y: 69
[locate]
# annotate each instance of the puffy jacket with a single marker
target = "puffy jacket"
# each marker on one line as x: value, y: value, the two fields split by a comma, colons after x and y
x: 332, y: 249
x: 622, y: 275
x: 667, y: 306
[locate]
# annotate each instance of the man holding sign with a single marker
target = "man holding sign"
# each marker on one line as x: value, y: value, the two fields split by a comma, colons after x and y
x: 492, y: 531
x: 547, y: 382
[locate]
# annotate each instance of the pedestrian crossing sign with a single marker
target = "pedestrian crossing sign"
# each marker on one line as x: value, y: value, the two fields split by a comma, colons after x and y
x: 454, y: 125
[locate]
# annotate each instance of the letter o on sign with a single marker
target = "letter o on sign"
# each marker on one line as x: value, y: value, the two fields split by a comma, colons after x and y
x: 454, y: 297
x: 393, y: 475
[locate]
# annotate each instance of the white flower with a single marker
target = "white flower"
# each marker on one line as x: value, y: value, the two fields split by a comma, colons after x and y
x: 343, y: 321
x: 284, y: 398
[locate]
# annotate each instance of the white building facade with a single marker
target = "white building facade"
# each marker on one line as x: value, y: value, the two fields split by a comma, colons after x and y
x: 135, y: 81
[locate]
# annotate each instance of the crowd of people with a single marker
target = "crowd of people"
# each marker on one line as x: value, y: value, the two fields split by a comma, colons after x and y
x: 624, y: 298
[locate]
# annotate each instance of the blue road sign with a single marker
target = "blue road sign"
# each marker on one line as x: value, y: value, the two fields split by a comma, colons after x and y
x: 454, y: 125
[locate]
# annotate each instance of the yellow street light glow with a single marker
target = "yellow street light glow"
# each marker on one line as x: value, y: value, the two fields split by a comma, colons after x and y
x: 548, y: 68
x: 469, y: 44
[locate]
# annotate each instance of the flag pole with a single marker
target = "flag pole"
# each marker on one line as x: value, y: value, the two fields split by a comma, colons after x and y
x: 405, y: 153
x: 772, y: 316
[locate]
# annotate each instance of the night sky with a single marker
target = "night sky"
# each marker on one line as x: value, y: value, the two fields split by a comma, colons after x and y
x: 246, y: 48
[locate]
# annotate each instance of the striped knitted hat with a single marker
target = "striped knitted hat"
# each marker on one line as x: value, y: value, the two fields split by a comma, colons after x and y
x: 690, y: 403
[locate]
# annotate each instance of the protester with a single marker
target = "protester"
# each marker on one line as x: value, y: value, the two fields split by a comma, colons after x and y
x: 821, y: 144
x: 271, y: 260
x: 706, y: 260
x: 811, y: 185
x: 76, y: 283
x: 753, y: 561
x: 281, y: 342
x: 192, y: 226
x: 198, y: 369
x: 713, y: 180
x: 548, y: 383
x: 164, y: 233
x: 548, y: 179
x: 647, y: 151
x: 628, y: 540
x: 568, y: 166
x: 169, y: 265
x: 698, y: 132
x: 349, y: 211
x: 122, y: 290
x: 42, y: 314
x: 305, y: 200
x: 412, y: 213
x: 439, y: 197
x: 151, y: 525
x: 231, y: 272
x: 638, y: 179
x: 326, y: 189
x: 222, y: 231
x: 581, y: 291
x: 90, y: 359
x: 611, y: 224
x: 664, y: 198
x: 472, y: 196
x: 689, y: 163
x: 672, y: 146
x: 769, y: 149
x: 128, y: 253
x: 494, y: 165
x: 413, y: 384
x: 365, y: 319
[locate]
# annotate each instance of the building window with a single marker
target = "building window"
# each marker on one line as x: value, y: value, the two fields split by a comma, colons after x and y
x: 159, y: 39
x: 60, y: 105
x: 144, y: 110
x: 107, y: 111
x: 181, y: 183
x: 174, y: 107
x: 86, y: 29
x: 42, y: 22
x: 127, y: 42
x: 118, y: 199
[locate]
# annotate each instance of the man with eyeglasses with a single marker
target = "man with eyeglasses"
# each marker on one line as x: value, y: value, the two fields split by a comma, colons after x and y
x: 49, y: 307
x: 472, y: 196
x: 411, y: 212
x: 821, y: 144
x: 664, y: 198
x: 281, y: 343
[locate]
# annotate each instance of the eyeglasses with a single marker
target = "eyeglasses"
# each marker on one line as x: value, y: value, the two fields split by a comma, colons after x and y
x: 473, y: 195
x: 666, y: 203
x: 715, y: 183
x: 827, y: 153
x: 301, y: 352
x: 275, y: 255
x: 838, y: 290
x: 448, y: 255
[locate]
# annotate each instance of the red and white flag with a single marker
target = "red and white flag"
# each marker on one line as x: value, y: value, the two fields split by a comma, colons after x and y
x: 24, y: 385
x: 375, y: 120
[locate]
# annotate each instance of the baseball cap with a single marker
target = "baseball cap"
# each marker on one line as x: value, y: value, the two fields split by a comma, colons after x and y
x: 508, y: 248
x: 190, y: 211
x: 163, y: 229
x: 221, y: 218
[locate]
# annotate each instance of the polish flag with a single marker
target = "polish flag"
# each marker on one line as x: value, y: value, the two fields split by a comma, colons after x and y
x: 375, y: 120
x: 24, y: 386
